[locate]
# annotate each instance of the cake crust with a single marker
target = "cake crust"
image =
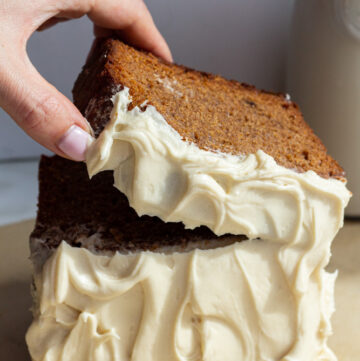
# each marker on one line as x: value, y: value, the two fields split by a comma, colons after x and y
x: 214, y: 113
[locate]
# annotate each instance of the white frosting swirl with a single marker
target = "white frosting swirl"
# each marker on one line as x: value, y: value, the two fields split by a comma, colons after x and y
x: 164, y: 176
x: 230, y: 303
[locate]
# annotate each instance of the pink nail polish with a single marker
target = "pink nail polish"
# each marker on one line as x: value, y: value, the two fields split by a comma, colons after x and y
x: 75, y: 142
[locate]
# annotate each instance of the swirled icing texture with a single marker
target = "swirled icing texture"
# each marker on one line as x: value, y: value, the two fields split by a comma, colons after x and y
x: 258, y: 300
x: 229, y: 303
x: 163, y: 175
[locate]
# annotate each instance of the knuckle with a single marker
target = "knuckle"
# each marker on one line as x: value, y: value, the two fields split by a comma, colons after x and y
x: 141, y: 9
x: 41, y: 113
x: 76, y: 8
x: 131, y: 11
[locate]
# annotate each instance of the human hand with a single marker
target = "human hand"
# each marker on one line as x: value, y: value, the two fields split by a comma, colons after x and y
x: 37, y: 107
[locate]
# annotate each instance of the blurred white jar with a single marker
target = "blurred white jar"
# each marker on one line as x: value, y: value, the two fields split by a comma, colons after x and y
x: 323, y: 77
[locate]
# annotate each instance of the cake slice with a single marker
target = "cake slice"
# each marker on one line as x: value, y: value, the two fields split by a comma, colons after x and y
x: 213, y: 245
x: 205, y: 109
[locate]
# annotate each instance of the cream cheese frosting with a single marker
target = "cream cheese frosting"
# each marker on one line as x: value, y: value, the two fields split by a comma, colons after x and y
x: 230, y: 303
x: 163, y: 175
x: 265, y: 299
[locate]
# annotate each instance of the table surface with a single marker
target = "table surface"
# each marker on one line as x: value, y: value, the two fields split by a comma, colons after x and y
x: 15, y: 300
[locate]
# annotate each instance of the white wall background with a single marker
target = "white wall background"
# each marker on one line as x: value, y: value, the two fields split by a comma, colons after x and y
x: 240, y: 39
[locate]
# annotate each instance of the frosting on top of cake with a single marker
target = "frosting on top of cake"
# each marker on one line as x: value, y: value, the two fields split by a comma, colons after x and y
x: 165, y: 176
x: 237, y: 302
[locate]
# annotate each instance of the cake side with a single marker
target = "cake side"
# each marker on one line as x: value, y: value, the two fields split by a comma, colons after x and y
x: 214, y: 113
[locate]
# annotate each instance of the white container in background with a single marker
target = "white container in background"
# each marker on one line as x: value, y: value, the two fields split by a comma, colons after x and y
x: 324, y: 79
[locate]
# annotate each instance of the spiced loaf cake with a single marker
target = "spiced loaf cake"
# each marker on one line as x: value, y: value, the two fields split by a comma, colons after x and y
x: 206, y: 109
x: 213, y: 242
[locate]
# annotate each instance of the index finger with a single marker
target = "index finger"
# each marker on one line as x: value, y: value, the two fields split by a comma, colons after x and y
x: 133, y: 21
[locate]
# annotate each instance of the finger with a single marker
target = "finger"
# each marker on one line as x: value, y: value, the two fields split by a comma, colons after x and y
x: 50, y: 23
x: 42, y: 112
x: 133, y: 21
x: 130, y: 17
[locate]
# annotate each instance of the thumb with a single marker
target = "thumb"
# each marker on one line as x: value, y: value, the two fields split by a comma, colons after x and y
x: 43, y: 112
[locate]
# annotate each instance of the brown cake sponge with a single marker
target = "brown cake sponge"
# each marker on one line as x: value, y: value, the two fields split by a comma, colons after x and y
x: 208, y: 110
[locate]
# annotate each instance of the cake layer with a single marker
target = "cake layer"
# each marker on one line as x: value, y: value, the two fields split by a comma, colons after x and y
x: 72, y: 207
x: 162, y: 175
x: 214, y: 113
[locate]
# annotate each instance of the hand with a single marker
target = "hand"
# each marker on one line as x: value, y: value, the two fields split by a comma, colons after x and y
x: 37, y: 107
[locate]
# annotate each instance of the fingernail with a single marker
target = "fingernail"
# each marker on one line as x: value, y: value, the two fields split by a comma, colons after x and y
x: 75, y: 142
